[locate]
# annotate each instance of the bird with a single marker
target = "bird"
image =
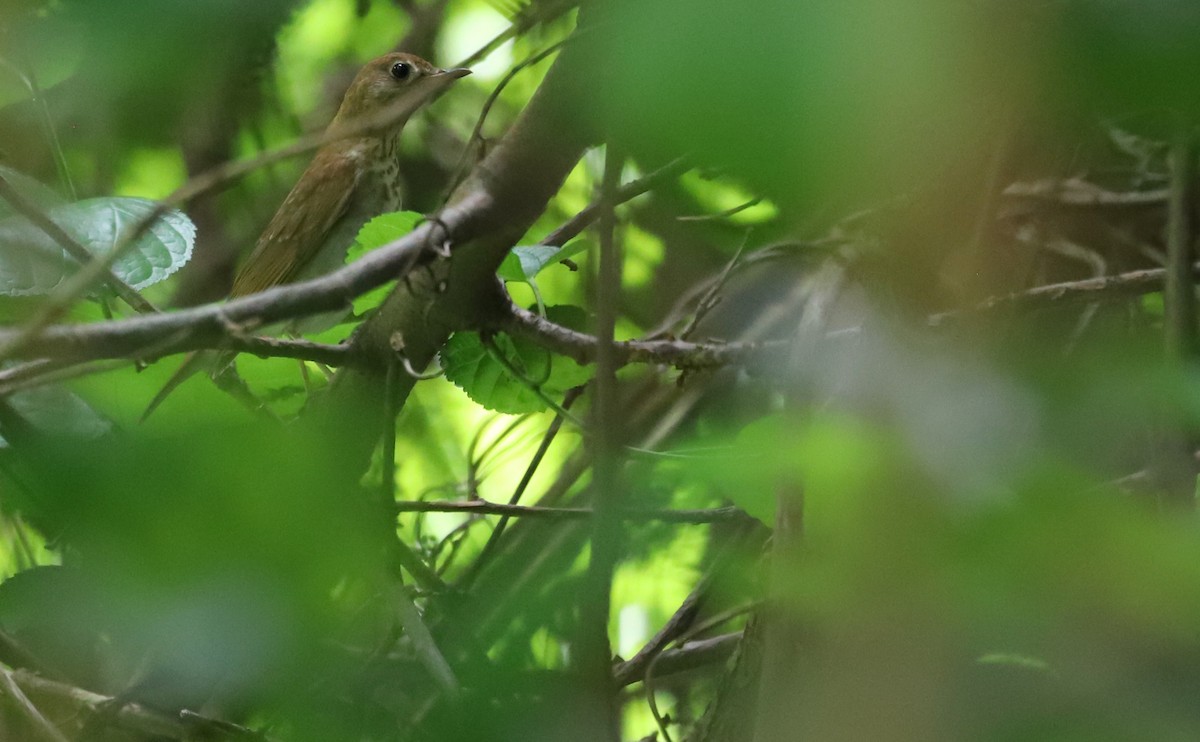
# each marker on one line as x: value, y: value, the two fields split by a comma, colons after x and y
x: 349, y: 181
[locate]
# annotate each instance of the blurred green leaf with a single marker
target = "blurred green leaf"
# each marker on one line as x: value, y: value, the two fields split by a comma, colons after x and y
x: 31, y: 262
x: 32, y: 189
x: 472, y: 368
x: 1125, y: 54
x: 57, y: 411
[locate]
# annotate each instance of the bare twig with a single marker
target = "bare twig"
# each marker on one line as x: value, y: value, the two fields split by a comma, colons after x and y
x: 688, y: 656
x: 634, y: 188
x: 680, y: 622
x: 720, y: 214
x: 483, y: 507
x: 423, y: 642
x: 29, y: 710
x: 1104, y: 288
x: 710, y: 298
x: 477, y: 132
x: 1080, y: 193
x: 131, y: 716
x: 583, y: 347
x: 494, y: 538
x: 652, y: 666
x: 525, y: 21
x: 35, y: 95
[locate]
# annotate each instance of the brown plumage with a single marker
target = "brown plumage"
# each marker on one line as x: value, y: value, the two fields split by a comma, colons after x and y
x: 349, y: 181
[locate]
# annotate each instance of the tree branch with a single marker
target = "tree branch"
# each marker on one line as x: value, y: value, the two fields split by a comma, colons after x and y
x: 691, y: 655
x: 131, y: 716
x: 212, y: 325
x: 215, y: 325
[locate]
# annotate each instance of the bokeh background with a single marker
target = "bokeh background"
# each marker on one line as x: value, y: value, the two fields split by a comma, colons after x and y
x: 938, y: 502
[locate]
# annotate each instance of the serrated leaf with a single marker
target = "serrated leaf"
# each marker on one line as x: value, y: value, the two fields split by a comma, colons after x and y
x: 469, y: 366
x: 33, y: 191
x: 165, y: 248
x: 375, y: 233
x: 524, y: 262
x: 382, y: 230
x: 32, y: 263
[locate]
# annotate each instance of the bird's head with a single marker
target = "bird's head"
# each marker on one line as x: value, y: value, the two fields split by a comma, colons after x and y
x: 392, y: 87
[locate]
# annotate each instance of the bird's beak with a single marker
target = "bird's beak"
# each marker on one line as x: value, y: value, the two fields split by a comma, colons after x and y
x: 453, y: 74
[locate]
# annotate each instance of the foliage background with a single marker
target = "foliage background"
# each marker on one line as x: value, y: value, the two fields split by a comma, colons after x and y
x: 963, y: 509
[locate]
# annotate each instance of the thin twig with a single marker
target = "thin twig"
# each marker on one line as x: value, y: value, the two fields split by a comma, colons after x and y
x: 40, y: 372
x: 423, y: 642
x: 688, y: 656
x: 574, y: 226
x: 477, y: 132
x: 35, y: 95
x: 583, y: 348
x: 675, y: 627
x: 720, y: 214
x: 709, y: 300
x: 651, y: 667
x: 131, y: 716
x: 30, y: 711
x: 494, y: 538
x: 53, y: 373
x: 518, y: 27
x: 484, y: 507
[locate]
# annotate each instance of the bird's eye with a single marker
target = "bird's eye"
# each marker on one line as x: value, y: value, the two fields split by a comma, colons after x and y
x: 401, y: 70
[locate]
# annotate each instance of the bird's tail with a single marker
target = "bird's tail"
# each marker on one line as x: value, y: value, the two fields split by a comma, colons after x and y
x: 194, y: 362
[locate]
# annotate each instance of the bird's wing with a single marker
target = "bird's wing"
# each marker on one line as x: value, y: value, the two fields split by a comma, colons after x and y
x: 302, y: 224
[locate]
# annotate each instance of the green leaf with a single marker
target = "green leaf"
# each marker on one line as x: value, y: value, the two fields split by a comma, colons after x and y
x: 58, y: 412
x: 1152, y: 304
x: 32, y: 263
x: 33, y: 190
x: 376, y: 233
x: 524, y: 262
x: 382, y: 230
x: 470, y: 367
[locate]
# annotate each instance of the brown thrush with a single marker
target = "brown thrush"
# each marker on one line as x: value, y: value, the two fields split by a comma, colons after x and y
x: 349, y: 181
